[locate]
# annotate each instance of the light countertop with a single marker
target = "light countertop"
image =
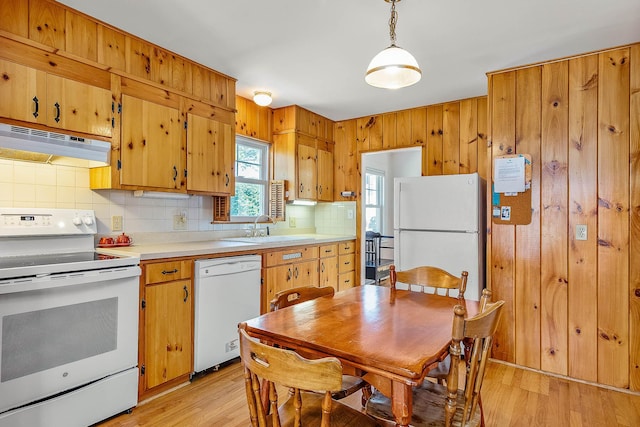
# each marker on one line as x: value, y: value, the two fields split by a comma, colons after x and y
x: 220, y: 246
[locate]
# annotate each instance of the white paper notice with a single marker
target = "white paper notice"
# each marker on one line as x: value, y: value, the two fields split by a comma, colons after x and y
x: 509, y: 175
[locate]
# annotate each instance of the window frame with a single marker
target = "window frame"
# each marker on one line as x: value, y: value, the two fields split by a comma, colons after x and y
x: 380, y: 176
x: 265, y: 147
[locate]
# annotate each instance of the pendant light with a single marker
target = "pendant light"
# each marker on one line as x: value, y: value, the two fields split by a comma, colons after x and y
x: 394, y: 67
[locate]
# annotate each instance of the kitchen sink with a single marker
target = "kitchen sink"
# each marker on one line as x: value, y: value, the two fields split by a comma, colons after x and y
x: 267, y: 239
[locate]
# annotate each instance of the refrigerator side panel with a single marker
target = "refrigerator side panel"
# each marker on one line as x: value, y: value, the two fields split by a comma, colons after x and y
x: 453, y: 252
x: 444, y: 202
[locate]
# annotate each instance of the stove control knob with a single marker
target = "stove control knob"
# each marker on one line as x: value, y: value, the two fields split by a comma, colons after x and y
x: 77, y: 221
x: 88, y: 220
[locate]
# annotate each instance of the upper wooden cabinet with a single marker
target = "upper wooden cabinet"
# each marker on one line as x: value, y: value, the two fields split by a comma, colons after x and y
x: 210, y: 156
x: 152, y: 151
x: 302, y: 154
x: 252, y: 120
x: 35, y: 96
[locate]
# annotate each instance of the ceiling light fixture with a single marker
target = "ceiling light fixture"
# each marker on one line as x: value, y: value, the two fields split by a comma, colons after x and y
x: 394, y: 67
x: 262, y: 98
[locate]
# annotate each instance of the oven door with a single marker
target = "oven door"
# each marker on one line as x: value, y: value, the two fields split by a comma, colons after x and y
x: 65, y: 331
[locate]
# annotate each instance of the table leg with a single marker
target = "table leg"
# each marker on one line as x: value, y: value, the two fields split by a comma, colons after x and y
x: 401, y: 403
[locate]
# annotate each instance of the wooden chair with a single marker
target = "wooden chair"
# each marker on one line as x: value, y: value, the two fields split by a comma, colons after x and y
x: 289, y: 297
x: 294, y: 296
x: 435, y: 404
x: 266, y: 366
x: 425, y: 277
x: 422, y: 279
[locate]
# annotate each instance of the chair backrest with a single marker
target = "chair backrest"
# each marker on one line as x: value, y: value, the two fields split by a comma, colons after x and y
x: 266, y: 366
x: 425, y: 277
x: 480, y: 330
x: 294, y: 296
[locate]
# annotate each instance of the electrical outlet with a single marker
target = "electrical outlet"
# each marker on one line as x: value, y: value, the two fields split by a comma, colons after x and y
x: 292, y: 222
x: 349, y: 213
x: 116, y: 223
x: 180, y: 222
x: 581, y: 232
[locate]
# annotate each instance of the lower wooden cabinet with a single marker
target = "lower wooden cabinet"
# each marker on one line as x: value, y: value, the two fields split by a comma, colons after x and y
x: 288, y: 269
x: 166, y: 332
x: 329, y: 265
x: 346, y: 265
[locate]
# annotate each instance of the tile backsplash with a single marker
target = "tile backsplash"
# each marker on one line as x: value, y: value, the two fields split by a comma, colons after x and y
x: 24, y: 184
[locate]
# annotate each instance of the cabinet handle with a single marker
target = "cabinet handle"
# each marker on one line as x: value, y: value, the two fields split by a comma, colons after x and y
x: 347, y: 262
x: 347, y: 280
x: 289, y: 274
x: 328, y: 251
x: 295, y: 271
x: 186, y: 294
x: 226, y: 175
x: 322, y: 267
x: 175, y: 270
x: 35, y: 101
x: 57, y: 118
x: 175, y: 173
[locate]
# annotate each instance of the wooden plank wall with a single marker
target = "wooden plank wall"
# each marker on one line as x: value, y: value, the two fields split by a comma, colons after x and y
x: 573, y: 306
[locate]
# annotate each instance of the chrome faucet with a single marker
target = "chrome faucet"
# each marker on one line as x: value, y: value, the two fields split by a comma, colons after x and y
x: 255, y: 223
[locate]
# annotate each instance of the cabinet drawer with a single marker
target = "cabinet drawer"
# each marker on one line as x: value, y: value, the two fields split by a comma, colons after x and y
x: 346, y: 280
x: 346, y: 263
x: 328, y: 250
x: 290, y: 255
x: 347, y: 247
x: 167, y: 271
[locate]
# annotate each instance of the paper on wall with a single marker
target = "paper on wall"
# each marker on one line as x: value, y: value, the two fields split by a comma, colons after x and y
x: 509, y: 175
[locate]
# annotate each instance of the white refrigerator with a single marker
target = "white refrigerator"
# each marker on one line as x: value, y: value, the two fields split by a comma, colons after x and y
x: 440, y: 221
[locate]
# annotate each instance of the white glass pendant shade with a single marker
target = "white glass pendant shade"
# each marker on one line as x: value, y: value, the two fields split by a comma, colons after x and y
x: 262, y: 98
x: 393, y: 68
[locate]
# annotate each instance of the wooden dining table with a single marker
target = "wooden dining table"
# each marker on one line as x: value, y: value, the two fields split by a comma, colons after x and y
x: 392, y: 338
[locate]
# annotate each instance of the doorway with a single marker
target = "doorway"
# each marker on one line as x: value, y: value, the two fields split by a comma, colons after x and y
x: 379, y: 171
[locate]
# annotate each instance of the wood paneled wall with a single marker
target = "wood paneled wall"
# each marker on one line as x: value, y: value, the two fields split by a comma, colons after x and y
x: 453, y: 138
x: 573, y: 306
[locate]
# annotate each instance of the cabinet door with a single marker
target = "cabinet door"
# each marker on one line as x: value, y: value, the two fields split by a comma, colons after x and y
x: 305, y: 273
x: 78, y: 106
x: 210, y: 155
x: 22, y: 90
x: 325, y: 176
x: 277, y: 279
x: 168, y: 331
x: 329, y: 272
x: 152, y: 145
x: 306, y: 172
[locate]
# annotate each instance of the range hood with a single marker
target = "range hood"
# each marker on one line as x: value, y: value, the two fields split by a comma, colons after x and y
x: 21, y: 143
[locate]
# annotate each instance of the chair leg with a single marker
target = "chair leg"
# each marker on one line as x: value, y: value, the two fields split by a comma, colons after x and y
x: 366, y: 394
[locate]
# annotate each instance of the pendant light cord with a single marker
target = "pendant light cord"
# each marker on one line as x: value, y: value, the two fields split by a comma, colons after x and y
x: 392, y: 23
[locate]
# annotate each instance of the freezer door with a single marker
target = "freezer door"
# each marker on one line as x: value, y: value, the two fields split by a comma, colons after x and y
x: 453, y: 252
x: 443, y: 202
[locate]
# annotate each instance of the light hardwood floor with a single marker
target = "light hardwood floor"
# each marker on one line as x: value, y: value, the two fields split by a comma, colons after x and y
x: 511, y: 397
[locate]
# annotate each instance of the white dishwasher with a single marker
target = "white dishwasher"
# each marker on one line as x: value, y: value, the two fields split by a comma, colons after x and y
x: 227, y: 292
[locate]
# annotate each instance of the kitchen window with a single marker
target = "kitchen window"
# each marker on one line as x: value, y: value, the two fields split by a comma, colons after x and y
x: 374, y: 192
x: 252, y: 172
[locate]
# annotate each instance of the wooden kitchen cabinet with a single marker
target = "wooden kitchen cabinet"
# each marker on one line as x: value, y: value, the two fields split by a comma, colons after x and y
x: 166, y: 332
x: 35, y: 96
x: 210, y: 156
x: 329, y: 265
x: 152, y: 145
x: 303, y: 154
x: 288, y: 269
x: 346, y: 265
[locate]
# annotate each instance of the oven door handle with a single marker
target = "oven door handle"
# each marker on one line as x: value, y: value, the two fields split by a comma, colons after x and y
x: 186, y: 294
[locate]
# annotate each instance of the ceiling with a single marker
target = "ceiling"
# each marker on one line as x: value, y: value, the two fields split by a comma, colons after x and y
x: 314, y: 53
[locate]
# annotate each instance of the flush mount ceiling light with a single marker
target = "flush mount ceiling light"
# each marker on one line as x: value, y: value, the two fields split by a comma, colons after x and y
x: 262, y: 98
x: 394, y: 67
